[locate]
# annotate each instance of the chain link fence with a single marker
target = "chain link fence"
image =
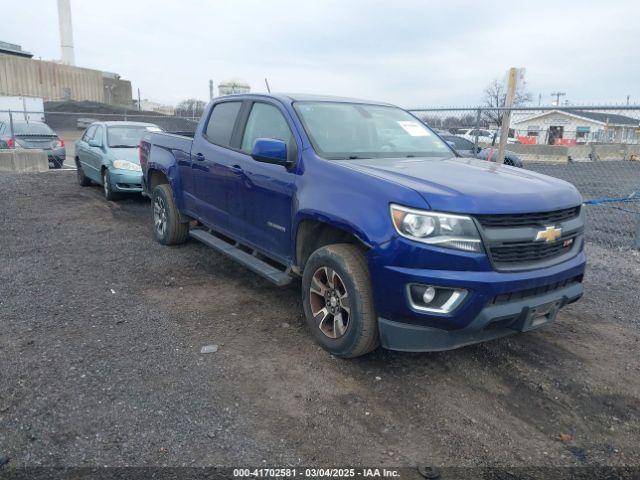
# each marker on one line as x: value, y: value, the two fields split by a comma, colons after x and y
x: 596, y: 148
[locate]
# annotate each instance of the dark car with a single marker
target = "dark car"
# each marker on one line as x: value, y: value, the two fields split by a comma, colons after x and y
x: 34, y: 135
x: 468, y: 149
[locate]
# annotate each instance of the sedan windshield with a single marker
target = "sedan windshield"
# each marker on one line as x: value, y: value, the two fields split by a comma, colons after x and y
x: 128, y: 136
x: 351, y: 130
x: 32, y: 129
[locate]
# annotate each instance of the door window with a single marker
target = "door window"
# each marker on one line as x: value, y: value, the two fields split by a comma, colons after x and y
x: 221, y: 123
x: 97, y: 136
x: 88, y: 134
x: 265, y: 121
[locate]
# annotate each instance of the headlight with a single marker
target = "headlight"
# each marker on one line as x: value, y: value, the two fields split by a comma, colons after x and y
x: 441, y: 229
x: 126, y: 165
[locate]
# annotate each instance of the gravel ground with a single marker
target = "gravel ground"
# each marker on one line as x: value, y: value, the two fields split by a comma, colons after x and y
x: 100, y: 337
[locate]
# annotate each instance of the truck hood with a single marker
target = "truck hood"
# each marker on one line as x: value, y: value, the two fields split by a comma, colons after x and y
x: 467, y: 185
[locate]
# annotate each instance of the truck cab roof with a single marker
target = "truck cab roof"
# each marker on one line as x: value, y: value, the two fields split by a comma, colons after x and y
x: 303, y: 97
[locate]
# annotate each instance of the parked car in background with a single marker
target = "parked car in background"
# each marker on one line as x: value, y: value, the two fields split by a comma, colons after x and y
x: 107, y: 154
x: 34, y: 135
x: 484, y: 136
x: 398, y: 240
x: 467, y: 148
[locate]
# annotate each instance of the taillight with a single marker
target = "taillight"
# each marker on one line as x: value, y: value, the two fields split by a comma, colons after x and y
x: 60, y: 143
x: 11, y: 143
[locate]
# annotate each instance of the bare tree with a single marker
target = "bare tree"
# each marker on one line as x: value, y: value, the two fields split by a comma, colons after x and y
x: 495, y: 95
x: 191, y: 107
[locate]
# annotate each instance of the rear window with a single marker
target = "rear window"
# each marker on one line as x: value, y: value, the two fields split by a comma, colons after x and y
x: 32, y: 129
x: 221, y: 122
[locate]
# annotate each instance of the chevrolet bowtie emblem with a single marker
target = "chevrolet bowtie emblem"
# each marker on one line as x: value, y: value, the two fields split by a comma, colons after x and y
x: 549, y: 234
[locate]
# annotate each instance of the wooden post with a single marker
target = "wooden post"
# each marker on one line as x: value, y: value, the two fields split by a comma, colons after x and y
x: 506, y: 115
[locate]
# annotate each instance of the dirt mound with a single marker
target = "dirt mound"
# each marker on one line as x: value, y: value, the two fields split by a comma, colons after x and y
x: 70, y: 115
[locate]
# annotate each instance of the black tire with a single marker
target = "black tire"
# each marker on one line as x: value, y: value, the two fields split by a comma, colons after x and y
x: 107, y: 188
x: 361, y: 333
x: 83, y: 181
x: 174, y: 232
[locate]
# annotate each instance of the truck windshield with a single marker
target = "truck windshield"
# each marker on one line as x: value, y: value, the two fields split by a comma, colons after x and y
x: 128, y: 136
x: 351, y: 130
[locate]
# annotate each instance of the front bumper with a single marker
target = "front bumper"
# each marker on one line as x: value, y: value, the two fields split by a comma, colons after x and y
x: 501, y: 299
x: 493, y: 321
x: 126, y: 181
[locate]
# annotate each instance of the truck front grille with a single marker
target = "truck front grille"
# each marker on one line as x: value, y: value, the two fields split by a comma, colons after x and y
x: 527, y: 252
x: 512, y: 240
x: 528, y: 219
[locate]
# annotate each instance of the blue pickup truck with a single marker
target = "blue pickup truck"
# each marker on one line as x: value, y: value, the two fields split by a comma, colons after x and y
x: 399, y: 240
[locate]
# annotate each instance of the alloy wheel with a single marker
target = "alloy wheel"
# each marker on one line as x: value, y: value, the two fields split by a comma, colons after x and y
x: 329, y: 301
x: 160, y: 215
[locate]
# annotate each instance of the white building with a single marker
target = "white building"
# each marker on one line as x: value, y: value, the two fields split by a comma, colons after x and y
x: 233, y: 85
x: 149, y: 106
x: 567, y: 127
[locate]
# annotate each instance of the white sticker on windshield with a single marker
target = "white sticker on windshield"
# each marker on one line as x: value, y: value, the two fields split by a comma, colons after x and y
x: 414, y: 128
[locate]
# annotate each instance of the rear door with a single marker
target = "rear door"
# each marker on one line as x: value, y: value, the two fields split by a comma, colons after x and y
x: 214, y: 157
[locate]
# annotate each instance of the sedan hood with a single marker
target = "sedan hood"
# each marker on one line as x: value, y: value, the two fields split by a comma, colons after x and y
x: 130, y: 154
x: 467, y: 185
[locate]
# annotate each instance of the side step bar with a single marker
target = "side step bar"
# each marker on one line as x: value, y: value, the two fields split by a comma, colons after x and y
x: 252, y: 262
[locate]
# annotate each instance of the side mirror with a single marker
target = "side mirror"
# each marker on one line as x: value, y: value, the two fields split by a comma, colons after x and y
x: 270, y: 150
x: 95, y: 143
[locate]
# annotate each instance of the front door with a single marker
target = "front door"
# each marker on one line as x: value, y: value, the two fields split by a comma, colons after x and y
x: 266, y: 190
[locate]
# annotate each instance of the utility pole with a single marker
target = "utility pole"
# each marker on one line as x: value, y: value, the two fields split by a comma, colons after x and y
x: 558, y: 95
x: 506, y: 115
x: 266, y: 82
x: 210, y: 89
x: 539, y: 99
x: 628, y: 97
x: 139, y: 103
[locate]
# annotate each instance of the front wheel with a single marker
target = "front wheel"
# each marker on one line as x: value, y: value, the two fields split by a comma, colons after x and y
x: 338, y: 301
x: 109, y: 194
x: 167, y: 227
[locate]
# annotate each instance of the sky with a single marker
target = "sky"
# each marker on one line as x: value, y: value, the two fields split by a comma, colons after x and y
x: 414, y: 53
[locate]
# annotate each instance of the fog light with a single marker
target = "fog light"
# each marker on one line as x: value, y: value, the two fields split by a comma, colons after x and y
x: 429, y: 294
x: 435, y: 299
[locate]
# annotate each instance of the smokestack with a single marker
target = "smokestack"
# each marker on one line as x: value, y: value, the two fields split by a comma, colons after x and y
x: 66, y: 32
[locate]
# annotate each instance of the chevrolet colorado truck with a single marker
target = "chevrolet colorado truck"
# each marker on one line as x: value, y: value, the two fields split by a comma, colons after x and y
x: 399, y: 241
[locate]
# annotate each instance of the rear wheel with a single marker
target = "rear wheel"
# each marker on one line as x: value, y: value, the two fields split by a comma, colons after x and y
x: 82, y: 179
x: 338, y: 302
x: 167, y: 227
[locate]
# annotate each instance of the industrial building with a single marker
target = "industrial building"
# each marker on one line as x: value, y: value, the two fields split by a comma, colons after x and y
x: 22, y: 75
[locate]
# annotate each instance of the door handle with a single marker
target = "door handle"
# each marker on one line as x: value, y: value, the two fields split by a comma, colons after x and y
x: 237, y: 169
x: 199, y: 157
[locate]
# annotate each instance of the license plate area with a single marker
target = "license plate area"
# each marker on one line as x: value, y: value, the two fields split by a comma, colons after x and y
x: 538, y: 316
